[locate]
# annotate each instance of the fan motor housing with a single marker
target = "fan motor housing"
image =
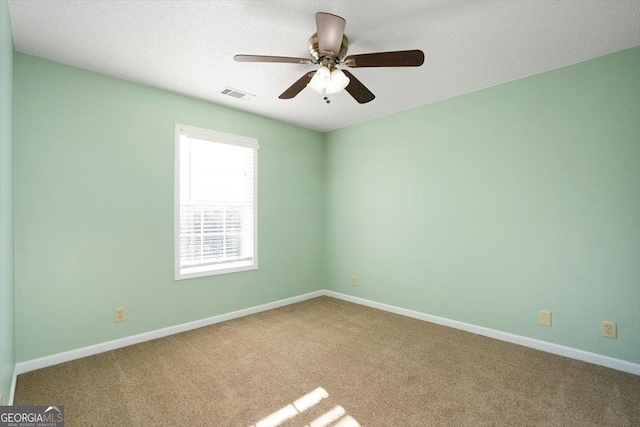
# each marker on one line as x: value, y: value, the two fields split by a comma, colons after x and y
x: 317, y: 55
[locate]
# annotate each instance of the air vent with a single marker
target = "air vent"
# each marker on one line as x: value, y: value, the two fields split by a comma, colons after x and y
x: 238, y: 94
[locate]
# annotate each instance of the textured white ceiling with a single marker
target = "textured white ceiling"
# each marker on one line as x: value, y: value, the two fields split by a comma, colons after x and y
x: 187, y: 47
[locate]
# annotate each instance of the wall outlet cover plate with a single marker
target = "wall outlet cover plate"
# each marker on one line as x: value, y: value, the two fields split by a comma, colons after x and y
x: 545, y: 318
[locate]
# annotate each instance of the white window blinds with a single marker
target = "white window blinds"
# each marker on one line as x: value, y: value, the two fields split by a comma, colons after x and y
x: 216, y: 222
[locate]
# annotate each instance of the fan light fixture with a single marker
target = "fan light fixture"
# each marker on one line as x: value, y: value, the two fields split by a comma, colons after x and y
x: 328, y: 81
x: 328, y: 48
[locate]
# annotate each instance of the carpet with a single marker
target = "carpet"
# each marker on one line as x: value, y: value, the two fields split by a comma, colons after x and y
x: 328, y: 362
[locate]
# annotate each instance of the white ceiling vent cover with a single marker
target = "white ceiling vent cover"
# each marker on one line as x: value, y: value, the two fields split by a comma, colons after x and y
x: 238, y: 94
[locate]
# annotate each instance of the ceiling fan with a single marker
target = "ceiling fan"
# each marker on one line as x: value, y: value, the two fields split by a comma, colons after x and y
x: 328, y: 48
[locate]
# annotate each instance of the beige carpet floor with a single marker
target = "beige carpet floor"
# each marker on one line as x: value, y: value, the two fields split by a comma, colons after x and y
x: 329, y: 362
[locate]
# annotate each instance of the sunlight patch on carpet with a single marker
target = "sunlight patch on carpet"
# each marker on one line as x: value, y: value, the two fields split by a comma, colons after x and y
x: 328, y: 417
x: 302, y: 404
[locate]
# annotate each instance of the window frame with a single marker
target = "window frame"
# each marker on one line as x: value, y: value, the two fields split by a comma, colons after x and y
x: 222, y: 138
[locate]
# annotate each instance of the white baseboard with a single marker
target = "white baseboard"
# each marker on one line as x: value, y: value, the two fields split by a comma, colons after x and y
x: 55, y: 359
x: 573, y: 353
x: 12, y: 390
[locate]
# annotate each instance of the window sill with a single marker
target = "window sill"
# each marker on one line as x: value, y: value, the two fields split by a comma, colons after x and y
x: 202, y: 271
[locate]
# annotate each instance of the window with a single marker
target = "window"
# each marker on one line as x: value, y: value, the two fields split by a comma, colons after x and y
x: 215, y: 203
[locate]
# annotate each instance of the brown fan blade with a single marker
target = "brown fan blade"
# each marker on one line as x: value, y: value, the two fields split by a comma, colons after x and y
x: 297, y: 87
x: 330, y: 32
x: 359, y: 91
x: 401, y: 58
x: 264, y: 58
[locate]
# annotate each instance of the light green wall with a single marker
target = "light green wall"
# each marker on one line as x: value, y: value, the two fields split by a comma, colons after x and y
x: 7, y: 331
x: 483, y: 208
x: 94, y: 209
x: 490, y: 206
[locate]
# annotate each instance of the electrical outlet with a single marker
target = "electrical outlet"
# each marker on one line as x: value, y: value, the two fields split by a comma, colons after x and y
x: 544, y: 318
x: 354, y: 281
x: 609, y: 329
x: 121, y: 314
